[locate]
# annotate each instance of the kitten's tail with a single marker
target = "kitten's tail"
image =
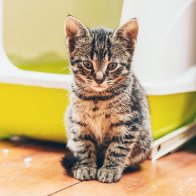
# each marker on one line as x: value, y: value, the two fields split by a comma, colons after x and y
x: 68, y: 162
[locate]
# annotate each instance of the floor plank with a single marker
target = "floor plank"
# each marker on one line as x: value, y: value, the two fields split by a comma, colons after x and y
x: 42, y: 176
x: 174, y: 174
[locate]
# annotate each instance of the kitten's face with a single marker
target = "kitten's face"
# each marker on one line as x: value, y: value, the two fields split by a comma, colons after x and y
x: 100, y: 59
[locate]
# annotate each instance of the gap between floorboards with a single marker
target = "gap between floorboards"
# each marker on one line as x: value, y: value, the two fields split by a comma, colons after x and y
x: 63, y: 189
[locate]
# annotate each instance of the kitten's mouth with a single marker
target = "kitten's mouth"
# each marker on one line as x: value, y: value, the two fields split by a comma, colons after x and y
x: 99, y: 87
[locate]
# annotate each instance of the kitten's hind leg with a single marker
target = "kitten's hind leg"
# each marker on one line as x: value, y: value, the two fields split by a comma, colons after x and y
x: 68, y: 161
x: 138, y: 153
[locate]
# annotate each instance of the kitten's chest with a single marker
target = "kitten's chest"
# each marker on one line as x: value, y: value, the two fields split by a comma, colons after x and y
x: 98, y: 118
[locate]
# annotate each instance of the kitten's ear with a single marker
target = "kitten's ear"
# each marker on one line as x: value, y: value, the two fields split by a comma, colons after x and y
x: 129, y: 30
x: 74, y: 28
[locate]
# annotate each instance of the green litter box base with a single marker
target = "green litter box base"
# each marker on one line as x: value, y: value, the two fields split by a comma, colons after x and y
x: 39, y: 112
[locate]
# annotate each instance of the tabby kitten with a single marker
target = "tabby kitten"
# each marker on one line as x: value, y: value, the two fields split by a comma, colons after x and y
x: 108, y: 118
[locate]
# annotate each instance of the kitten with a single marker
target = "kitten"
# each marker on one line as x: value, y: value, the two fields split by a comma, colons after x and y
x: 107, y: 120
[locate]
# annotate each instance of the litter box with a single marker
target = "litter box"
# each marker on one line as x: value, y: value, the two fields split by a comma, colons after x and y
x: 34, y: 75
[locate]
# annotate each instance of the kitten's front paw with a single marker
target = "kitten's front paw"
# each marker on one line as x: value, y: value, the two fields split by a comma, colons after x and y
x: 85, y: 173
x: 109, y: 175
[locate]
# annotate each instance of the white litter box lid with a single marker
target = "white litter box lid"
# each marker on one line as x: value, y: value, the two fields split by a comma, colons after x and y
x: 185, y: 83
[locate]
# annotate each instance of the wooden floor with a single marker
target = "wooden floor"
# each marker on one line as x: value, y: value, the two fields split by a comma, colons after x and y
x: 33, y: 168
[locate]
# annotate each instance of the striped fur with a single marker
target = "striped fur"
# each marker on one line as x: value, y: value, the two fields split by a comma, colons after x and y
x: 108, y: 117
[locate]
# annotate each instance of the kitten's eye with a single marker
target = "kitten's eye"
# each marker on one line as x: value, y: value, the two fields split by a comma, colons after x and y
x: 88, y: 65
x: 112, y: 66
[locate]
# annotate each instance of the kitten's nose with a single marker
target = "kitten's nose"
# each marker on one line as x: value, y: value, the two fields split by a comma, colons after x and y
x: 99, y: 78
